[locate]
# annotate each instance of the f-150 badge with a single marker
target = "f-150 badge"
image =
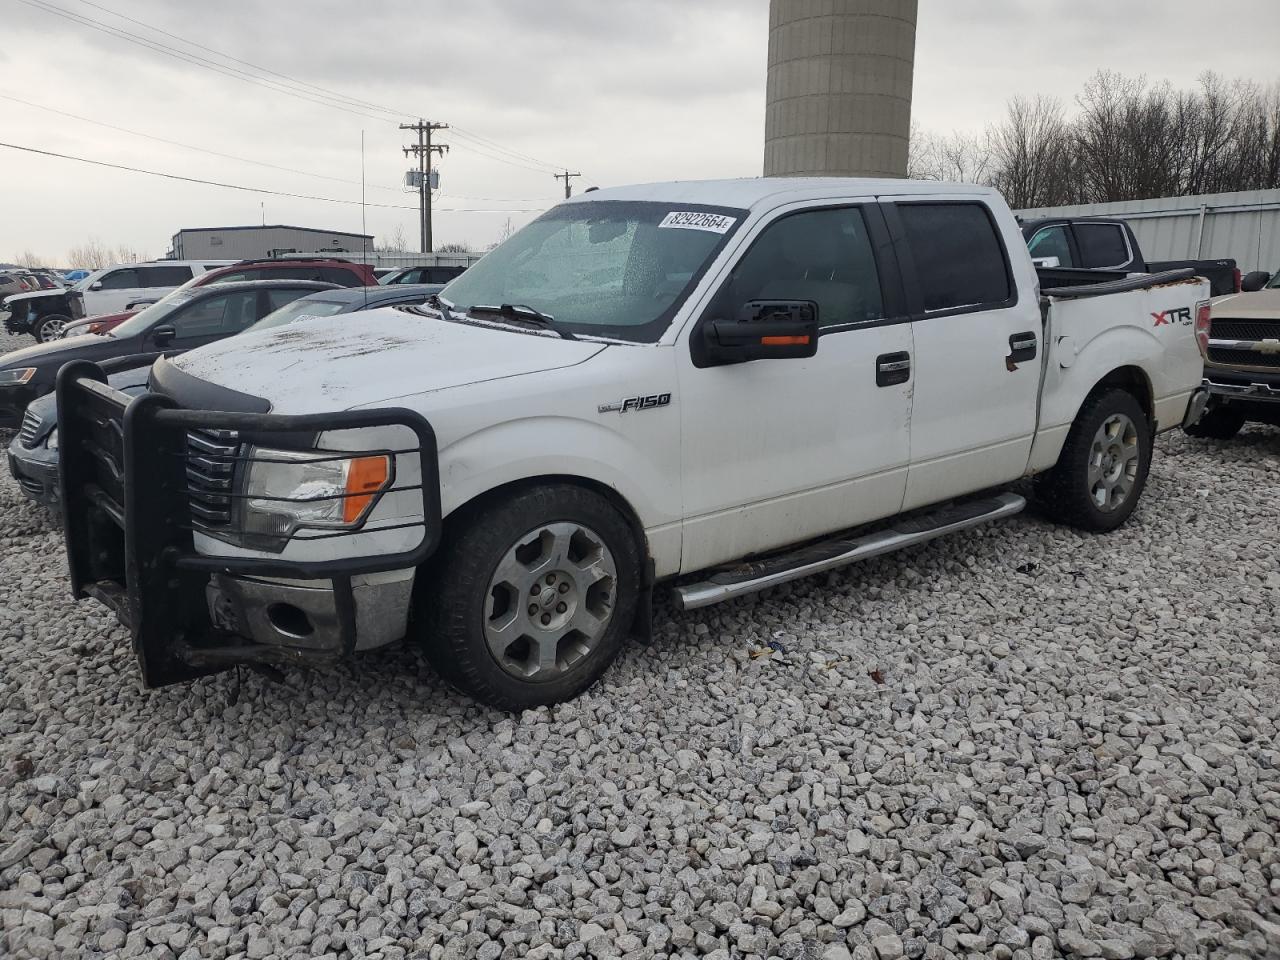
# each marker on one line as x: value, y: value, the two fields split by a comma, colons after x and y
x: 636, y: 403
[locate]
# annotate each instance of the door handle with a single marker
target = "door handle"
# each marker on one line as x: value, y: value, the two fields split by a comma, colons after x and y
x: 893, y: 368
x: 1022, y: 347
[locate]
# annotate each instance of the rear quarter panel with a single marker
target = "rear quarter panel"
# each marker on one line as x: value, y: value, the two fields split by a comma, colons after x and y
x: 1152, y: 330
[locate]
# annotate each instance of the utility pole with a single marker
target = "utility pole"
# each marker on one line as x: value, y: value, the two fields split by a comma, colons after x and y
x: 423, y: 150
x: 568, y: 192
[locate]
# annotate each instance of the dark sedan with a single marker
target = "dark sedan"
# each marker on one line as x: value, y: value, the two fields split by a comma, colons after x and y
x: 198, y: 316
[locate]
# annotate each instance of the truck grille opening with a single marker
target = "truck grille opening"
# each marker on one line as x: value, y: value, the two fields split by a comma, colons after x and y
x: 1228, y: 328
x: 1244, y: 358
x: 211, y: 476
x: 29, y: 430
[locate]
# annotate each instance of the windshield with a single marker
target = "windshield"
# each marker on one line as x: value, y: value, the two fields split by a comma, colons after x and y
x: 1274, y: 283
x: 612, y: 268
x: 145, y: 318
x: 304, y: 309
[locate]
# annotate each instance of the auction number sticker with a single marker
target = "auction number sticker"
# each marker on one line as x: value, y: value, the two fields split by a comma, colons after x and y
x: 692, y: 220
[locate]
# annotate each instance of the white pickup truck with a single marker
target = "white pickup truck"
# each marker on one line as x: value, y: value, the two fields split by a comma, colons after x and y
x: 714, y: 387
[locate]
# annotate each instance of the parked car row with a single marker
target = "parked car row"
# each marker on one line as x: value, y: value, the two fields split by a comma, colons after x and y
x: 181, y: 321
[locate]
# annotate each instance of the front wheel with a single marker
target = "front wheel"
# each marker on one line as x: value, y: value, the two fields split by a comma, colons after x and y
x: 1103, y: 467
x: 531, y: 599
x: 1218, y: 423
x: 50, y: 328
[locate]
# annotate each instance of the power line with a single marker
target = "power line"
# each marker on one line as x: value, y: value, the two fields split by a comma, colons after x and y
x: 288, y: 85
x: 248, y: 189
x: 342, y: 101
x: 196, y: 60
x: 275, y: 73
x: 260, y: 163
x: 188, y: 146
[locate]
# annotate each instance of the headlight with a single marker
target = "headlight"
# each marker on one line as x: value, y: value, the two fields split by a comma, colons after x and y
x: 52, y: 441
x: 12, y: 378
x: 287, y: 490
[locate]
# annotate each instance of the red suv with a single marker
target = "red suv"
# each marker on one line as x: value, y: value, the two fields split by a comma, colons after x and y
x: 325, y: 269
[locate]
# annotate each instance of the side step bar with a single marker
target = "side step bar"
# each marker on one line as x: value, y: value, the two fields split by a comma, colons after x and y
x: 829, y: 554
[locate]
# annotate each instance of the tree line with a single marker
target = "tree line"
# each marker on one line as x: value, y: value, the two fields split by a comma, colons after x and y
x: 1128, y: 139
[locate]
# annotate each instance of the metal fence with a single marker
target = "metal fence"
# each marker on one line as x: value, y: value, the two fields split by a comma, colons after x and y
x: 1244, y: 226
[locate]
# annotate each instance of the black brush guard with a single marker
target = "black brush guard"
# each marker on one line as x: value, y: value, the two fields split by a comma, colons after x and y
x: 129, y: 531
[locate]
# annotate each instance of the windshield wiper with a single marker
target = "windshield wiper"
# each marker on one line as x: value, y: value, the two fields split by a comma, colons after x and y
x: 525, y: 313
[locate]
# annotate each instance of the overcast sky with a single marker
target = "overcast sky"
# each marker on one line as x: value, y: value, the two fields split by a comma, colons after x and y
x: 622, y: 90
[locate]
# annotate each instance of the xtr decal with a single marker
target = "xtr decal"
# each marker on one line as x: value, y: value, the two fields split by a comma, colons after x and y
x: 636, y: 403
x: 1180, y: 315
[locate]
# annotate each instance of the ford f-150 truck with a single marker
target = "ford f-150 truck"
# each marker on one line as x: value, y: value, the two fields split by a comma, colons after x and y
x: 714, y: 387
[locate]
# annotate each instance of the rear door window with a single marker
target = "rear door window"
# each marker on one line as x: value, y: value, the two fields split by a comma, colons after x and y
x: 1102, y: 245
x: 345, y: 278
x: 960, y: 262
x: 120, y: 280
x: 164, y: 276
x: 217, y: 316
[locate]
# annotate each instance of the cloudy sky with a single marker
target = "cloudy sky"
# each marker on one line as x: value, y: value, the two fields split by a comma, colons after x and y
x: 622, y: 90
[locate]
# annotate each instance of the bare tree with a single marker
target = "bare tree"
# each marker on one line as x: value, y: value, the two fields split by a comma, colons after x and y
x: 28, y: 259
x: 1129, y: 139
x: 1030, y: 154
x: 396, y: 243
x: 453, y: 248
x: 90, y: 255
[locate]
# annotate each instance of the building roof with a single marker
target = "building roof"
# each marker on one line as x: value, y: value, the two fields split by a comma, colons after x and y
x: 273, y: 226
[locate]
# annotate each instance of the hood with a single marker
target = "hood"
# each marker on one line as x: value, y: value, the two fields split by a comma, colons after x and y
x: 41, y: 353
x: 34, y: 294
x: 1263, y: 304
x: 350, y: 360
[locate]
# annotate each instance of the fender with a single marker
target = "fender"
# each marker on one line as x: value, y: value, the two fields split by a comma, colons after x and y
x: 1074, y: 369
x: 541, y: 446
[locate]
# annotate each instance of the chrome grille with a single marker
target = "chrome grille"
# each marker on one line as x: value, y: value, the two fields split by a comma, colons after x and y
x: 1228, y: 328
x: 29, y: 430
x: 211, y: 475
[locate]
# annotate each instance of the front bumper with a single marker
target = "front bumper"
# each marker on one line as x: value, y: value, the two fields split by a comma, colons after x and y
x: 36, y: 472
x: 1245, y: 389
x: 130, y: 536
x: 306, y: 615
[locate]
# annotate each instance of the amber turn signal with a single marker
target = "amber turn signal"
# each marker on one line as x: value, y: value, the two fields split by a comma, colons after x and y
x: 365, y: 477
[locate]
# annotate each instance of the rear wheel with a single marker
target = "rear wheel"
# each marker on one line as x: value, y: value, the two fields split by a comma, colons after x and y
x: 1102, y: 470
x: 532, y: 598
x: 50, y: 327
x: 1218, y: 423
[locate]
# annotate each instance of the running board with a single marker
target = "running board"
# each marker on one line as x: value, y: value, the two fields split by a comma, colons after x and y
x: 771, y: 571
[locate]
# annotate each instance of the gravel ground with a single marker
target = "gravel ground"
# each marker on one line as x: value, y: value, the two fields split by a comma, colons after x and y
x: 1016, y: 743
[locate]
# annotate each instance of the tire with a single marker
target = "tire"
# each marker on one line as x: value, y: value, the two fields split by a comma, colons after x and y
x: 1101, y: 473
x: 49, y: 328
x: 1217, y: 423
x: 531, y: 598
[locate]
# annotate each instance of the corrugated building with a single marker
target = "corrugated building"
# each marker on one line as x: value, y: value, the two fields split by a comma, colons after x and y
x: 269, y: 240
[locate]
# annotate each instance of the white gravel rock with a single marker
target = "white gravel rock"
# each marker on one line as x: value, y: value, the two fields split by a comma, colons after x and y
x: 1019, y: 743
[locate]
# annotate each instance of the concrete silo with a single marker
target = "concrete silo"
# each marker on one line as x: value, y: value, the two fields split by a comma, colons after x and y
x: 838, y: 95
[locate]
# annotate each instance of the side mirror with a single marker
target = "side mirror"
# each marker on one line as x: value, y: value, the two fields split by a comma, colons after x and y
x: 96, y: 285
x: 1254, y: 281
x: 762, y: 330
x: 162, y: 336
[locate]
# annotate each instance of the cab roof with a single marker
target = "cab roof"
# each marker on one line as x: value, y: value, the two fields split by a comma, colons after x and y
x: 767, y: 192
